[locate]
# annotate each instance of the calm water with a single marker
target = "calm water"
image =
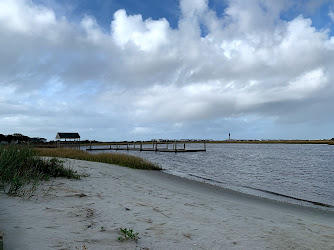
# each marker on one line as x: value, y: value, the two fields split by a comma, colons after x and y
x: 285, y: 172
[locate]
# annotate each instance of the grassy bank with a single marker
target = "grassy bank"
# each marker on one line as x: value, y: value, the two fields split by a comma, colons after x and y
x: 21, y: 170
x: 111, y: 158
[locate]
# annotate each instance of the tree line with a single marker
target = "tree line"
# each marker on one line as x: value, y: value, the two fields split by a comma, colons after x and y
x: 16, y: 137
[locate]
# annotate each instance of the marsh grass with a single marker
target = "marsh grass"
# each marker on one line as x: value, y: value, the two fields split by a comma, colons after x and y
x: 111, y: 158
x: 21, y: 170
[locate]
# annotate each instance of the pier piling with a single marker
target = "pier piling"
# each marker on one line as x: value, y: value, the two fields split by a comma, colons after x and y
x: 1, y: 241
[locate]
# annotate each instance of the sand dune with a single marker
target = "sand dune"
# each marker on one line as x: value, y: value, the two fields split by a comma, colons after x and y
x: 168, y: 212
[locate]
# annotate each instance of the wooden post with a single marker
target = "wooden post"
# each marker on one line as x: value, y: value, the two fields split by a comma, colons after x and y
x: 134, y: 144
x: 204, y: 146
x: 152, y: 144
x: 184, y: 146
x: 141, y: 146
x: 90, y: 146
x: 175, y: 146
x: 156, y: 146
x: 1, y: 240
x: 110, y: 146
x: 127, y: 146
x: 167, y: 144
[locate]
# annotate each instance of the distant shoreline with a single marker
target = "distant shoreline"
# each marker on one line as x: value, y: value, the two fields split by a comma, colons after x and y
x: 85, y: 143
x: 278, y: 141
x: 229, y: 141
x: 328, y: 142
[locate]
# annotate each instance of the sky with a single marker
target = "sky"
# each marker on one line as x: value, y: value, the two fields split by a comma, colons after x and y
x: 115, y: 70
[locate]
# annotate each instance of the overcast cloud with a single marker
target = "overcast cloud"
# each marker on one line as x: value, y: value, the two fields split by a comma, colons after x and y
x: 246, y: 71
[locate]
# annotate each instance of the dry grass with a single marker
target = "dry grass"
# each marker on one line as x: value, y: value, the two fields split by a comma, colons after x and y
x: 111, y: 158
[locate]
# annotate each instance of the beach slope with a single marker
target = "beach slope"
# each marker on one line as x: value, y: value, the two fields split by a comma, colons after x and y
x: 168, y: 212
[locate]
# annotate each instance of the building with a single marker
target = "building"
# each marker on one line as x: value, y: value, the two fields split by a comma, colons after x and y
x: 68, y: 136
x: 37, y: 140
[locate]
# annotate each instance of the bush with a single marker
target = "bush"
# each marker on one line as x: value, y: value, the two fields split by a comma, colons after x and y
x: 19, y: 166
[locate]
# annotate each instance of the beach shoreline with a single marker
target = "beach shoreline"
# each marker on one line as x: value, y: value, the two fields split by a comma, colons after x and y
x: 168, y: 212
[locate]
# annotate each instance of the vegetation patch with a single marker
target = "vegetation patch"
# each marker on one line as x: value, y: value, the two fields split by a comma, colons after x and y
x: 111, y: 158
x: 21, y: 170
x: 127, y: 234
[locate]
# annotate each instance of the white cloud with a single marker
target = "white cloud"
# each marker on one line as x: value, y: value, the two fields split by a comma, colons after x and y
x: 331, y: 15
x: 20, y: 16
x: 249, y: 62
x: 147, y: 35
x: 308, y: 83
x: 193, y: 8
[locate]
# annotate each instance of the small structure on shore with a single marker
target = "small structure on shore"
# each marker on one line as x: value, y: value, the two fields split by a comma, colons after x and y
x: 68, y: 136
x: 37, y: 139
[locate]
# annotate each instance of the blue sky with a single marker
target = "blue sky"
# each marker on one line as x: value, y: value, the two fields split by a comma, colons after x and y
x: 103, y: 10
x: 137, y: 70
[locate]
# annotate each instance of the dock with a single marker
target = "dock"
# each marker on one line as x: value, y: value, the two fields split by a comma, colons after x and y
x: 170, y: 147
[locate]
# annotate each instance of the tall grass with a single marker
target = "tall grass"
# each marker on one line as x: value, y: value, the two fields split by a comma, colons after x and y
x: 111, y: 158
x: 19, y: 166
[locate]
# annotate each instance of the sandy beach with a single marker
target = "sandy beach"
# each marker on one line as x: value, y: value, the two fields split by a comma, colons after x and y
x: 168, y: 212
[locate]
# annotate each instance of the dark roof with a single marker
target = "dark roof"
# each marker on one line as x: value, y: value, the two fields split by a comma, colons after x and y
x: 68, y: 135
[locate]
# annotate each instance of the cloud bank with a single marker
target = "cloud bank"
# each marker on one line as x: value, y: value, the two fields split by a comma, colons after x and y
x: 143, y: 79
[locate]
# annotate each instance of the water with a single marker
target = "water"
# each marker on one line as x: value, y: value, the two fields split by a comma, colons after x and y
x: 295, y: 173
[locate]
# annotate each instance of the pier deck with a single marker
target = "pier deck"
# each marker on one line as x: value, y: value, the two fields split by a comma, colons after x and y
x: 155, y: 148
x: 179, y: 150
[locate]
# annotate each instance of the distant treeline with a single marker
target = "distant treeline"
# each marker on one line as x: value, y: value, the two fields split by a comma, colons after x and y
x: 10, y: 138
x: 19, y: 138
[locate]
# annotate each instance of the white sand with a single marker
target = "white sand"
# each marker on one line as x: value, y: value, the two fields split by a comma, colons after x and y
x: 168, y: 212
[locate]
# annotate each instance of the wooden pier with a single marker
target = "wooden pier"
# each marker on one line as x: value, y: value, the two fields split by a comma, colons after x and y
x: 171, y: 147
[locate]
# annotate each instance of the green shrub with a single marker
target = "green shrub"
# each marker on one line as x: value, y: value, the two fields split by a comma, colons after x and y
x: 127, y: 234
x: 19, y: 166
